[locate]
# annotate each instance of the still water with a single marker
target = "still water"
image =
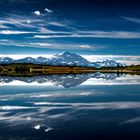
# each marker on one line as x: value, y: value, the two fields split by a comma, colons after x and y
x: 70, y: 107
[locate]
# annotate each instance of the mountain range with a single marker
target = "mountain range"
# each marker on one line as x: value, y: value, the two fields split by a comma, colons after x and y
x: 65, y: 59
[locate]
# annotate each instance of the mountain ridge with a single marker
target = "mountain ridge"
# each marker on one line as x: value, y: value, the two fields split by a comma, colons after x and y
x: 65, y: 59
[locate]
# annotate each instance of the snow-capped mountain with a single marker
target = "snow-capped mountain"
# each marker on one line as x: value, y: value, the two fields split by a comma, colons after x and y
x: 25, y: 60
x: 106, y: 63
x: 67, y: 58
x: 5, y: 60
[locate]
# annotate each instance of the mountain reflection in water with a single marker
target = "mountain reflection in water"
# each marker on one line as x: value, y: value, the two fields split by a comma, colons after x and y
x: 94, y: 106
x: 66, y: 81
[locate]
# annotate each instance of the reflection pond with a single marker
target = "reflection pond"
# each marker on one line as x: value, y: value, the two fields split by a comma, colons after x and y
x: 70, y: 107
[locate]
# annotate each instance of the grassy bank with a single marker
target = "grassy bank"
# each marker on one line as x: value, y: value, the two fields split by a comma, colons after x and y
x: 32, y: 69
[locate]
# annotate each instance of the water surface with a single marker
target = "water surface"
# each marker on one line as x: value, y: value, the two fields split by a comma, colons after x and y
x: 59, y: 107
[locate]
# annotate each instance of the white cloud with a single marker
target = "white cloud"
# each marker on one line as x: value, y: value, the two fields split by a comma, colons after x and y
x: 41, y: 44
x: 102, y: 105
x: 48, y: 129
x: 95, y: 34
x: 41, y: 36
x: 10, y: 32
x: 13, y: 107
x: 85, y: 46
x: 31, y: 44
x: 63, y: 46
x: 37, y: 13
x: 48, y: 10
x: 37, y: 127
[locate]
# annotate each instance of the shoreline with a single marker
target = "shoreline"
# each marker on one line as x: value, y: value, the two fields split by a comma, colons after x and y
x: 33, y: 70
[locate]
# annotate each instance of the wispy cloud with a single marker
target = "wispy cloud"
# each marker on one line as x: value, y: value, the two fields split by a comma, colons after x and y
x: 13, y: 107
x: 13, y: 21
x: 85, y: 46
x: 43, y: 30
x: 48, y: 10
x: 95, y: 34
x: 132, y: 121
x: 98, y: 106
x: 18, y: 21
x: 52, y: 45
x: 10, y: 32
x: 56, y: 23
x: 132, y: 19
x: 38, y: 27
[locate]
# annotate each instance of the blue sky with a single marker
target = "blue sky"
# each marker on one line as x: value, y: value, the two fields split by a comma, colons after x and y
x: 99, y: 27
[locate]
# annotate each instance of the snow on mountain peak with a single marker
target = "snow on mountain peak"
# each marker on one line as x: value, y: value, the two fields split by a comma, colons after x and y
x: 64, y: 59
